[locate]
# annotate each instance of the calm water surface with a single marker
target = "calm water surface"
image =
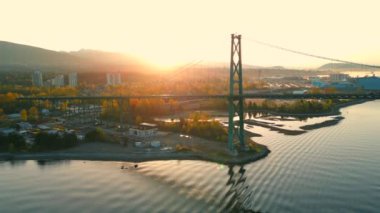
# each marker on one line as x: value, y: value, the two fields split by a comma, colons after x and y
x: 334, y: 169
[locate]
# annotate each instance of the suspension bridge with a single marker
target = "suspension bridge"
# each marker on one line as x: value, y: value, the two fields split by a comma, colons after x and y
x: 235, y: 97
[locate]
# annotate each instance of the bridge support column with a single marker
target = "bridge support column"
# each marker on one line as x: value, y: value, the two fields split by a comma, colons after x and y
x: 236, y: 100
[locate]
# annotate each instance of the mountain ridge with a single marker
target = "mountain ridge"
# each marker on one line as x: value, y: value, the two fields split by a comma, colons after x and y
x: 26, y: 56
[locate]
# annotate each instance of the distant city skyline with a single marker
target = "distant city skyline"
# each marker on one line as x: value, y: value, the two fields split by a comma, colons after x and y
x: 168, y: 33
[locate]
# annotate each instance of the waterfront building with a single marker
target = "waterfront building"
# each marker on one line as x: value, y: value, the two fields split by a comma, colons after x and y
x: 73, y: 79
x: 143, y: 132
x: 37, y: 79
x: 113, y: 78
x: 369, y: 83
x: 343, y: 86
x: 318, y: 83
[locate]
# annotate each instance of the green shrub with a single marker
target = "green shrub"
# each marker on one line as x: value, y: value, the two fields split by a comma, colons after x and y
x: 96, y: 135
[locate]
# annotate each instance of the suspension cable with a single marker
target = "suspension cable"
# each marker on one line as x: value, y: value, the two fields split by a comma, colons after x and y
x: 310, y: 55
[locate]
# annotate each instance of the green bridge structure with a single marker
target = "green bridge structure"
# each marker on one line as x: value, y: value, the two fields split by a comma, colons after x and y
x: 235, y: 97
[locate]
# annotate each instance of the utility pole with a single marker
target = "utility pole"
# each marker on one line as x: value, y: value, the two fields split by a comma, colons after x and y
x: 236, y: 100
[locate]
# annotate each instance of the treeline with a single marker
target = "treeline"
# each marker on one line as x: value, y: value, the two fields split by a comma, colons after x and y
x: 9, y: 95
x: 158, y: 86
x: 38, y: 91
x: 12, y: 142
x: 98, y: 135
x: 299, y: 106
x: 200, y: 125
x: 138, y: 109
x: 46, y: 142
x: 42, y: 142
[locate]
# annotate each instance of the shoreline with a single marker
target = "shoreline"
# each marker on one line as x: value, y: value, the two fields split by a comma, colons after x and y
x: 334, y: 111
x: 143, y: 156
x: 198, y: 149
x: 136, y: 157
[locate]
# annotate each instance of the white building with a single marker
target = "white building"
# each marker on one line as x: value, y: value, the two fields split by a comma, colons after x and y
x: 337, y: 77
x: 143, y: 131
x: 7, y: 131
x: 24, y: 126
x: 113, y: 78
x: 58, y: 81
x: 37, y: 79
x: 73, y: 79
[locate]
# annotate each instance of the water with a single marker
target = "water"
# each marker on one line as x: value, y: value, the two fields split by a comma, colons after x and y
x: 332, y: 169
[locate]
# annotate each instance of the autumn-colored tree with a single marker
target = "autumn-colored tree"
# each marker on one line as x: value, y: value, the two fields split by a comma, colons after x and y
x: 138, y: 119
x: 315, y: 90
x: 63, y: 106
x: 24, y: 115
x: 330, y: 90
x: 33, y: 114
x: 47, y: 104
x: 2, y: 114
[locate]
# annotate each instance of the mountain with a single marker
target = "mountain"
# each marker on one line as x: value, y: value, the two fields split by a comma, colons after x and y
x: 12, y: 54
x: 23, y: 56
x: 342, y: 66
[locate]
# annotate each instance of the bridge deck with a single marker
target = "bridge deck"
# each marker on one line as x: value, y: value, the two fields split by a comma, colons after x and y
x: 246, y: 96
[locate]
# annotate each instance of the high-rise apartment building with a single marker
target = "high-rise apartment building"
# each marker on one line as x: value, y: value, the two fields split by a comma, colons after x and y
x: 58, y: 81
x: 37, y: 79
x: 73, y: 79
x: 113, y: 78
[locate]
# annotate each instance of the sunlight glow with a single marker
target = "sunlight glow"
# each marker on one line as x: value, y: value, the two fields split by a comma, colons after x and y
x: 168, y: 32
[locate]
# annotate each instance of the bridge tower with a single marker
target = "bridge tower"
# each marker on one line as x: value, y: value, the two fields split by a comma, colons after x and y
x: 236, y: 100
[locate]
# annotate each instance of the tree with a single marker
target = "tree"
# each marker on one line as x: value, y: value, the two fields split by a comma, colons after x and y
x: 2, y: 115
x: 96, y: 135
x: 44, y: 141
x: 12, y: 142
x: 17, y: 140
x: 139, y: 119
x: 330, y: 90
x: 24, y: 115
x: 33, y: 114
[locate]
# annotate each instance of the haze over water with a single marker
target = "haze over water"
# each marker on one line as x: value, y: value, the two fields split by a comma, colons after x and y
x: 332, y: 169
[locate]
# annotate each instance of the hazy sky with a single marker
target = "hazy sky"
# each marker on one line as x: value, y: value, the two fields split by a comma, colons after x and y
x: 171, y: 32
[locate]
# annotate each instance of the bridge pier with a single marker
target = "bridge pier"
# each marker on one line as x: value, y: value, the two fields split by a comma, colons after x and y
x: 236, y: 99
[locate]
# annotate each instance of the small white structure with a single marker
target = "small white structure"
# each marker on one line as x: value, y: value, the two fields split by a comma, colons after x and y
x: 14, y: 117
x: 7, y: 131
x: 155, y: 144
x: 299, y: 92
x: 24, y: 126
x: 43, y: 127
x: 52, y: 132
x: 45, y: 112
x: 139, y: 144
x: 143, y: 131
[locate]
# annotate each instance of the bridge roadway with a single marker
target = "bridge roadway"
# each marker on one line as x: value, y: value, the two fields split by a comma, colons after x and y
x: 369, y: 96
